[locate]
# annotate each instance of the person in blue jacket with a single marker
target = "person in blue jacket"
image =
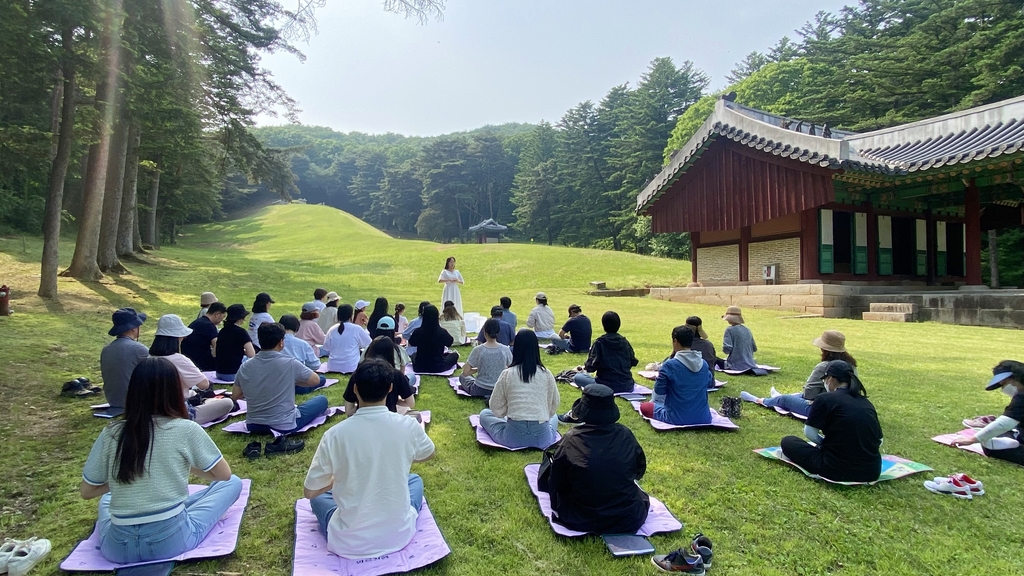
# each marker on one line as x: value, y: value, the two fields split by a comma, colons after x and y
x: 681, y: 390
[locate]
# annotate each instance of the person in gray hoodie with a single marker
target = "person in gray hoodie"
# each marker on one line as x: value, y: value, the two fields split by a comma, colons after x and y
x: 611, y: 357
x: 681, y: 389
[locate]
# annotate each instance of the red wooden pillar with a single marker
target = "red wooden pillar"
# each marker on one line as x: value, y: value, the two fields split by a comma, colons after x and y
x: 809, y: 245
x: 744, y: 253
x: 972, y: 224
x: 694, y: 243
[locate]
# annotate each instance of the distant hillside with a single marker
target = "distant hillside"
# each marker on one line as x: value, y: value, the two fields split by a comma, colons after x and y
x: 290, y: 135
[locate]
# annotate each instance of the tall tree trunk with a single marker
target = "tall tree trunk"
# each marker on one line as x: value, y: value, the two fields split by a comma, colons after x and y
x: 136, y: 233
x: 56, y: 109
x: 58, y: 173
x: 126, y: 225
x: 993, y: 256
x: 84, y: 265
x: 107, y: 256
x: 152, y: 236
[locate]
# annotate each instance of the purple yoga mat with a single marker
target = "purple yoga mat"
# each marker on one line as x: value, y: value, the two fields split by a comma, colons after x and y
x: 313, y: 559
x: 322, y: 369
x: 454, y: 383
x: 445, y: 373
x: 717, y: 421
x: 212, y: 377
x: 484, y: 438
x: 241, y: 428
x: 239, y: 412
x: 221, y: 541
x: 637, y: 389
x: 659, y: 519
x: 947, y: 439
x: 653, y: 375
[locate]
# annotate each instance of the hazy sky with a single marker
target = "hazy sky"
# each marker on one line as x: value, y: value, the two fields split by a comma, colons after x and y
x: 489, y: 62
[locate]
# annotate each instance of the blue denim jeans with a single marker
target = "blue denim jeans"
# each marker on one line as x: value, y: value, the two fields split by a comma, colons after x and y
x: 308, y: 411
x: 517, y: 434
x: 225, y: 377
x: 323, y: 505
x: 167, y: 538
x: 793, y: 402
x: 560, y: 343
x: 308, y: 389
x: 582, y: 379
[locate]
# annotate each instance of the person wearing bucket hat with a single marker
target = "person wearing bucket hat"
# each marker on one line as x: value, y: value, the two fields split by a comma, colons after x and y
x: 738, y: 342
x: 542, y: 319
x: 681, y: 389
x: 702, y: 344
x: 205, y: 299
x: 1001, y: 437
x: 329, y: 314
x: 119, y: 358
x: 594, y: 470
x: 233, y: 344
x: 833, y: 347
x: 170, y: 332
x: 844, y: 427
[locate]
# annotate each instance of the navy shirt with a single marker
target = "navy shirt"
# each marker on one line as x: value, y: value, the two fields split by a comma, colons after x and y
x: 196, y: 346
x: 580, y: 332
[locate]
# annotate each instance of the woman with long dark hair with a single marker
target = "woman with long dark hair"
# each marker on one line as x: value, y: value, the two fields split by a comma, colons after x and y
x: 344, y: 342
x: 844, y: 425
x: 141, y: 467
x: 452, y: 279
x: 233, y: 344
x: 401, y: 394
x: 453, y: 323
x: 260, y: 316
x: 380, y: 310
x: 170, y: 331
x: 524, y: 403
x: 430, y: 340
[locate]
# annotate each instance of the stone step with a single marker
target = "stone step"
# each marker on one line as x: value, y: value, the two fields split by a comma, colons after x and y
x: 905, y: 308
x: 888, y: 317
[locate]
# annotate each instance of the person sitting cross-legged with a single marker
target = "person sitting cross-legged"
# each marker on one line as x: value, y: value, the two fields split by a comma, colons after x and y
x: 267, y: 383
x: 359, y: 484
x: 300, y: 350
x: 506, y: 332
x: 121, y: 356
x: 524, y: 402
x: 486, y: 362
x: 681, y: 389
x: 431, y: 340
x: 1001, y: 438
x: 413, y: 326
x: 575, y: 334
x: 309, y: 330
x: 594, y: 469
x: 199, y: 345
x: 541, y: 319
x: 401, y: 394
x: 611, y: 357
x: 738, y: 342
x: 702, y: 344
x: 344, y: 342
x: 202, y: 406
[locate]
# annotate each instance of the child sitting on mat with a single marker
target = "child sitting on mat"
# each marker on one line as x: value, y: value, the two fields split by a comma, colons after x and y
x: 1001, y: 437
x: 141, y: 466
x: 401, y: 393
x: 833, y: 347
x: 738, y: 342
x: 844, y: 425
x: 681, y: 389
x: 359, y: 487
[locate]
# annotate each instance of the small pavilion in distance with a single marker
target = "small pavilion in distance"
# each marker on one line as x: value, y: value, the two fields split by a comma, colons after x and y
x: 488, y: 231
x: 835, y: 221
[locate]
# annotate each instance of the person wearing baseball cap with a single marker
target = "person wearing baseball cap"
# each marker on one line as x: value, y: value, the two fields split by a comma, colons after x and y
x: 844, y: 427
x: 1000, y: 438
x: 329, y: 315
x: 119, y: 358
x: 205, y: 299
x: 360, y: 318
x: 541, y: 319
x: 738, y: 342
x: 309, y: 330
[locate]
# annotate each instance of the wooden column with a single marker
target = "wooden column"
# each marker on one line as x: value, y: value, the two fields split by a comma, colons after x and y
x: 744, y: 253
x: 809, y: 245
x: 694, y: 242
x: 972, y: 224
x: 872, y: 243
x: 931, y: 248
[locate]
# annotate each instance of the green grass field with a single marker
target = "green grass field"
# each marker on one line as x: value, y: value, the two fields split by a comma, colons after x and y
x: 764, y: 517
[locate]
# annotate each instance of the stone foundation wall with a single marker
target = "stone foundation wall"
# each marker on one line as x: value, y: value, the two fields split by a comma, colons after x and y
x: 828, y: 300
x: 719, y: 264
x: 785, y: 253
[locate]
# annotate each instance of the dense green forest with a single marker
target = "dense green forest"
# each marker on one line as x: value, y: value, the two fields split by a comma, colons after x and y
x: 120, y: 120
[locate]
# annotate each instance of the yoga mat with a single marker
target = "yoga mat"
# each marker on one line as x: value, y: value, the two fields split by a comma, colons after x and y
x: 211, y: 375
x: 484, y: 438
x: 103, y: 406
x: 659, y: 519
x: 322, y: 369
x: 241, y: 428
x: 893, y: 467
x: 328, y: 382
x: 446, y: 373
x: 750, y: 372
x: 947, y: 439
x: 239, y: 412
x: 221, y: 541
x: 108, y: 412
x: 653, y: 375
x: 313, y: 559
x: 637, y: 389
x: 717, y: 421
x: 454, y: 383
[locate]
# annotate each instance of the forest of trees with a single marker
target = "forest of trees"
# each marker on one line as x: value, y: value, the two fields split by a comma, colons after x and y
x: 122, y: 119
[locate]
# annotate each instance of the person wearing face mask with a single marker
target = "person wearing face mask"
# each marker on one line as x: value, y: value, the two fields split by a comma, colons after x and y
x: 1000, y: 438
x: 844, y: 425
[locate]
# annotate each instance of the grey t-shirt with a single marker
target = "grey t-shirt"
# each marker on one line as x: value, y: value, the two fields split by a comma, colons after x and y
x: 489, y: 362
x: 268, y: 382
x: 117, y: 362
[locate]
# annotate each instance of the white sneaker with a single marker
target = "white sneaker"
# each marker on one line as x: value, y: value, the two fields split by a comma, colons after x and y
x: 27, y: 555
x: 976, y: 487
x: 949, y: 486
x: 6, y: 551
x: 774, y: 393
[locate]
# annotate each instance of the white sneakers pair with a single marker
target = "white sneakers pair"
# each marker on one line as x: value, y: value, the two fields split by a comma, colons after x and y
x: 956, y: 485
x: 17, y: 557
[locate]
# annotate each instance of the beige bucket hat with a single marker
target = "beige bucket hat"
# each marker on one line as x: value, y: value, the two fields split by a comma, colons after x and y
x: 734, y: 315
x: 831, y: 341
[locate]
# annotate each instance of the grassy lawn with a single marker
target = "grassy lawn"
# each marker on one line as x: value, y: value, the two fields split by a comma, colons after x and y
x: 764, y: 517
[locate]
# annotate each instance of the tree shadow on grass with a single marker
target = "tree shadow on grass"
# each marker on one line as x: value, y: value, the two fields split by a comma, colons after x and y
x: 149, y: 296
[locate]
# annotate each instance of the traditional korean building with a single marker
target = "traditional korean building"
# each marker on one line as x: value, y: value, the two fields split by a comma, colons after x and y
x: 903, y: 206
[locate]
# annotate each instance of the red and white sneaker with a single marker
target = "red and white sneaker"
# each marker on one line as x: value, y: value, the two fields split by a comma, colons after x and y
x: 978, y: 421
x: 949, y: 485
x: 977, y: 488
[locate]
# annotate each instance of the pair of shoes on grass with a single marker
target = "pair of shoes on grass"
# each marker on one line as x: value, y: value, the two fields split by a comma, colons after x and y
x: 280, y: 445
x: 17, y: 557
x: 78, y: 388
x: 694, y: 559
x: 979, y: 421
x: 958, y: 485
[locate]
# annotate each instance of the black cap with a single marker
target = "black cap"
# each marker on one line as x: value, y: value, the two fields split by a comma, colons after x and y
x: 597, y: 406
x: 264, y: 297
x: 840, y: 370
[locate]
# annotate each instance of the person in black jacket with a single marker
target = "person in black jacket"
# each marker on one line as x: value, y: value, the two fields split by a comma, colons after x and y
x: 430, y: 341
x: 594, y: 469
x: 702, y: 344
x: 611, y: 357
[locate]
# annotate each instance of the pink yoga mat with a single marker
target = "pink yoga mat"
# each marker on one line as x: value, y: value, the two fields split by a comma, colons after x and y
x: 445, y: 373
x: 484, y: 438
x: 239, y: 412
x: 322, y: 369
x: 717, y: 421
x: 313, y: 559
x: 947, y: 439
x: 241, y: 428
x: 637, y: 389
x: 221, y: 541
x: 454, y: 383
x: 659, y: 519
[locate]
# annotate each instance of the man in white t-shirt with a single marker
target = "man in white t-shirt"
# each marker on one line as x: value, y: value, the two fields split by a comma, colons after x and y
x: 359, y: 486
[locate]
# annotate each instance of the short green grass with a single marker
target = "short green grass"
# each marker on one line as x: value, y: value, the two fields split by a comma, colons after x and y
x: 765, y: 518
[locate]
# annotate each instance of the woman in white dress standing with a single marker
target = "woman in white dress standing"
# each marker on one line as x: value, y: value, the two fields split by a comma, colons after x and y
x: 451, y: 278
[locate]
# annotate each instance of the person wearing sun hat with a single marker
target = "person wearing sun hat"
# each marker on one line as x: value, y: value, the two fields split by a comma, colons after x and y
x: 1001, y: 437
x: 205, y: 299
x: 203, y: 408
x: 594, y: 470
x: 738, y: 342
x: 329, y: 315
x: 119, y: 358
x: 833, y: 347
x: 542, y: 319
